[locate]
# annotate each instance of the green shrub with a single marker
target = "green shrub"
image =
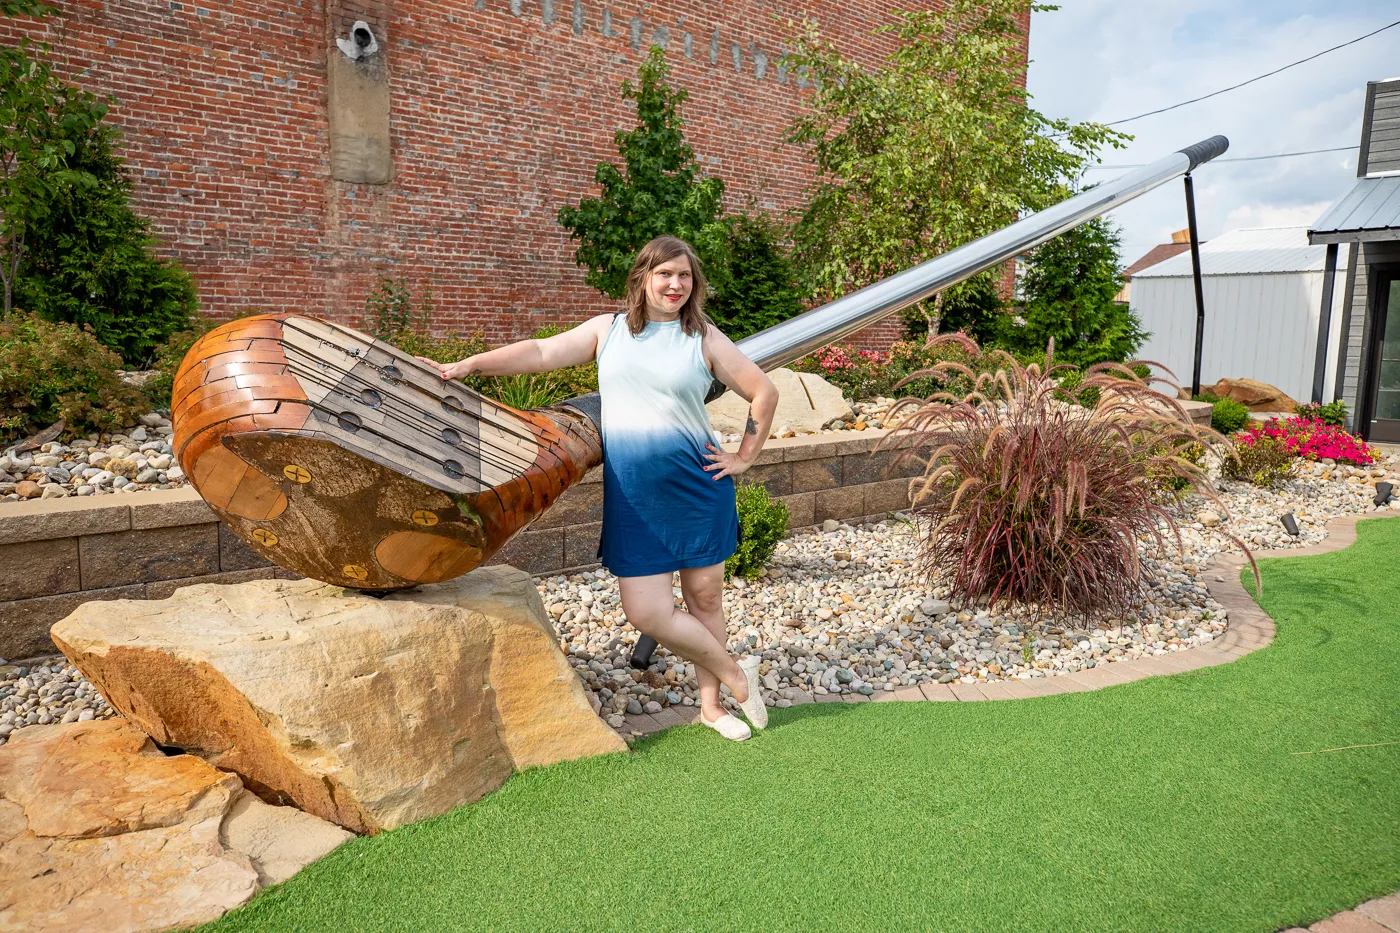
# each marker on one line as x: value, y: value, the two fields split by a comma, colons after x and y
x: 50, y: 371
x: 763, y: 521
x: 1229, y: 415
x: 759, y: 286
x: 1333, y: 413
x: 1259, y: 459
x: 89, y: 258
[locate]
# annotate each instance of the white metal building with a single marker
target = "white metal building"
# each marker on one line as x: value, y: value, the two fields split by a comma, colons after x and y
x: 1263, y: 292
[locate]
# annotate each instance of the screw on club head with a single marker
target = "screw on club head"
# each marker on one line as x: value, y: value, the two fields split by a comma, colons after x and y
x: 1290, y: 524
x: 1384, y: 493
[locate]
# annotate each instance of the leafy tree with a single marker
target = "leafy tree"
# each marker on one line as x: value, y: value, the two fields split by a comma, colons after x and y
x: 939, y: 147
x: 760, y: 288
x: 658, y: 190
x: 1069, y: 284
x: 974, y: 308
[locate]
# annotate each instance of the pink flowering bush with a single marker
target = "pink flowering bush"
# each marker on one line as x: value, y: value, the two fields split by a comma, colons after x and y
x: 1309, y: 438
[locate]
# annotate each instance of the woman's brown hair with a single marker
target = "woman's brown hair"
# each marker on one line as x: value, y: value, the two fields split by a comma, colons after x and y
x: 664, y: 249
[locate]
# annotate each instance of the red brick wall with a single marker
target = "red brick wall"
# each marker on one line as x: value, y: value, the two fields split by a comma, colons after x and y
x: 497, y: 120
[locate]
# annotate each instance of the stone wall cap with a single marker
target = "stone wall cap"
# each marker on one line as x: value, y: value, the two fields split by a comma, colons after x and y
x: 46, y: 519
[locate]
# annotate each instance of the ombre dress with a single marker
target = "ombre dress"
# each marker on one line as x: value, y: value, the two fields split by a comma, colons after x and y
x: 661, y: 510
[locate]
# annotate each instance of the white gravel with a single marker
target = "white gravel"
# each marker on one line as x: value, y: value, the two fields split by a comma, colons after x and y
x: 842, y: 610
x: 137, y: 458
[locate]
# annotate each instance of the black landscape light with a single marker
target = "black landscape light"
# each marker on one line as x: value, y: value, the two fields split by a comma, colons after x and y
x: 1290, y: 524
x: 1383, y: 494
x: 641, y: 653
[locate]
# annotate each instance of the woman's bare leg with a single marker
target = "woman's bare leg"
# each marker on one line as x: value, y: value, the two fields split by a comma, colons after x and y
x: 650, y: 608
x: 703, y: 589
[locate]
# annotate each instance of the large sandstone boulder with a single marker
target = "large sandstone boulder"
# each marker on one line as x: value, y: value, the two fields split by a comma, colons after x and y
x: 1252, y: 394
x: 805, y: 403
x: 99, y: 830
x: 370, y: 713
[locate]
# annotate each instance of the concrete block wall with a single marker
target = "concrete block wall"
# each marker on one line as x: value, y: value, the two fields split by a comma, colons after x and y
x: 56, y: 554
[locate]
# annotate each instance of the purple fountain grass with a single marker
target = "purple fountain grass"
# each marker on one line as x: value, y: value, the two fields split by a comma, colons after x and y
x: 1030, y: 498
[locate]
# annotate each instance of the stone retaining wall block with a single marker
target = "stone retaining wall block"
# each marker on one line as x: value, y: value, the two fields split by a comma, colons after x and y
x: 147, y: 555
x: 32, y: 570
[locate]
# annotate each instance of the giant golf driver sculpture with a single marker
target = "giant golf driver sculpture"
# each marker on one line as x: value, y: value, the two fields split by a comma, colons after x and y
x: 346, y: 460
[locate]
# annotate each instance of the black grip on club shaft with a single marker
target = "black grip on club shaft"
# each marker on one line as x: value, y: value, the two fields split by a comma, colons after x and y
x: 1205, y: 150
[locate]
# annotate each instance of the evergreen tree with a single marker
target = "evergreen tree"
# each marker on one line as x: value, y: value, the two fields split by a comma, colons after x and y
x: 1068, y: 286
x: 91, y: 259
x: 658, y: 191
x: 761, y: 287
x: 71, y: 248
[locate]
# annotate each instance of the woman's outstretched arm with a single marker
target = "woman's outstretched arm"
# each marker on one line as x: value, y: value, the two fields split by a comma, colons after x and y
x: 573, y: 347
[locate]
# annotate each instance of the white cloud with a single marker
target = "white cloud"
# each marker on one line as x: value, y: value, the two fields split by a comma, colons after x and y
x: 1274, y: 215
x: 1106, y: 60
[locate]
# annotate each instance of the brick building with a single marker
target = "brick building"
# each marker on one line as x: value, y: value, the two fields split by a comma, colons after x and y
x: 258, y: 143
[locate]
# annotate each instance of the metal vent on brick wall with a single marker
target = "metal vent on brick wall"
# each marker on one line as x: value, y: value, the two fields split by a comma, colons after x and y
x: 360, y: 43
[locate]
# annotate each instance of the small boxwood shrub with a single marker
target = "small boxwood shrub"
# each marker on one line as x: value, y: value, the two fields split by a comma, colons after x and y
x: 763, y: 522
x: 50, y: 371
x: 1228, y: 415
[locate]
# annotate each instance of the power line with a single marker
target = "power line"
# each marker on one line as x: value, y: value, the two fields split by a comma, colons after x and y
x: 1256, y: 78
x: 1258, y: 158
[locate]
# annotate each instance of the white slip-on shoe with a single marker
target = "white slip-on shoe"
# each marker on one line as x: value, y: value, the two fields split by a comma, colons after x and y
x: 731, y: 727
x: 753, y: 707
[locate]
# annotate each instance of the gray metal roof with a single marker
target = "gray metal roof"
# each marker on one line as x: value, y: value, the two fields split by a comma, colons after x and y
x: 1251, y: 251
x: 1370, y: 211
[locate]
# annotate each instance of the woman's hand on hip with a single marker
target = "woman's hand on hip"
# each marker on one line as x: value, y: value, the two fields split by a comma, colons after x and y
x: 725, y: 463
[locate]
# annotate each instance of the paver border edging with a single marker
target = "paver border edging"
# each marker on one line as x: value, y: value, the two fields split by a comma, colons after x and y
x: 1250, y: 628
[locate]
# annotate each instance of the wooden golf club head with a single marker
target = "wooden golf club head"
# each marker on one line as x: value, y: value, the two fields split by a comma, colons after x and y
x: 344, y: 459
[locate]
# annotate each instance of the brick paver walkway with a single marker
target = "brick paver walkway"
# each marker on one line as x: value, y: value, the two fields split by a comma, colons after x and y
x: 1250, y: 629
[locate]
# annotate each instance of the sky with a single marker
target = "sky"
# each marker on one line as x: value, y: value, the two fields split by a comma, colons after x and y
x: 1106, y: 60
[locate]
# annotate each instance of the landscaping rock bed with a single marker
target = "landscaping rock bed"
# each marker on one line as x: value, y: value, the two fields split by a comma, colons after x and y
x: 138, y: 458
x: 844, y: 610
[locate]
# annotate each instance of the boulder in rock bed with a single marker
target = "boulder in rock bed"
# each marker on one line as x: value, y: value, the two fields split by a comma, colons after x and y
x: 370, y: 713
x: 1252, y: 394
x: 805, y: 403
x: 99, y: 830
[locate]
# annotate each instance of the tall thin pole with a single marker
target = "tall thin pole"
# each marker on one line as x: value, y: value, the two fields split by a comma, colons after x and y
x: 1324, y: 322
x: 1196, y: 275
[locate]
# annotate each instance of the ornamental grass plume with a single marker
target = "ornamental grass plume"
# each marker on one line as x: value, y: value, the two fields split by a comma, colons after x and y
x: 1031, y: 499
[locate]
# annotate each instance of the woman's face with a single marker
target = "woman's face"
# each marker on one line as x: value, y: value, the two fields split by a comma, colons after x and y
x: 668, y: 286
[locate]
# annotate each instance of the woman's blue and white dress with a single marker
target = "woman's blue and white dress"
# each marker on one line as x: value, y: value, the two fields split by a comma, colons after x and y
x: 661, y: 510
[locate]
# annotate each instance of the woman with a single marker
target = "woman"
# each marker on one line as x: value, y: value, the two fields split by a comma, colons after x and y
x: 664, y: 508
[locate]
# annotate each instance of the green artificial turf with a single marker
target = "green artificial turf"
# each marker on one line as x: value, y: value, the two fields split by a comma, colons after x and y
x: 1175, y: 803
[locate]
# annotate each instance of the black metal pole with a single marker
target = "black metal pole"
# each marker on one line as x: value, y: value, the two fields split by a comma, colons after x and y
x: 1324, y: 322
x: 1196, y: 275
